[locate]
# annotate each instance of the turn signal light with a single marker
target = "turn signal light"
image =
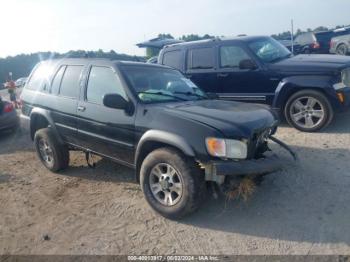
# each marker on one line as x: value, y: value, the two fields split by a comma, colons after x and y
x: 341, y: 97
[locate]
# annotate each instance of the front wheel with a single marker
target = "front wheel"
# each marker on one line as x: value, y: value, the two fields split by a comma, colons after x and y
x: 308, y: 111
x: 172, y: 184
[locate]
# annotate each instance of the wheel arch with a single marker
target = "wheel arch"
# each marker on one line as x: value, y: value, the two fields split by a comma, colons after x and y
x: 40, y: 118
x: 291, y: 85
x: 154, y: 139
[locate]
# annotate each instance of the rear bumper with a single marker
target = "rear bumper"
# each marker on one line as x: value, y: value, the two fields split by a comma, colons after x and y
x: 8, y: 120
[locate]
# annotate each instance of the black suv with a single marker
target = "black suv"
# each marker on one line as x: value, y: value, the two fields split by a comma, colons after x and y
x: 150, y: 118
x: 305, y: 89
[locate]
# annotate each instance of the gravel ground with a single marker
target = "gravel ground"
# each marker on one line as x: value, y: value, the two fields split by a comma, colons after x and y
x: 300, y: 210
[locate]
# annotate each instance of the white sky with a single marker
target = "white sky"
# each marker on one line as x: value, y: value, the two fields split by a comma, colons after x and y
x: 60, y: 25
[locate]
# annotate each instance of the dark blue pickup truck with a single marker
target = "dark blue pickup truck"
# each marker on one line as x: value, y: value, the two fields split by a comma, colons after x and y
x: 305, y: 89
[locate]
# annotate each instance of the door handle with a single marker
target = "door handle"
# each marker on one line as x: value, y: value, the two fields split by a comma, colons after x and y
x: 222, y: 74
x: 81, y: 108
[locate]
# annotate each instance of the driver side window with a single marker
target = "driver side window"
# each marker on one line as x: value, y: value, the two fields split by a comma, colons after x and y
x: 231, y: 56
x: 103, y: 80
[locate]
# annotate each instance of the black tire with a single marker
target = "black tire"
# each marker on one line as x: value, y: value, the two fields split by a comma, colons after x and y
x: 323, y: 102
x: 193, y: 189
x: 60, y: 153
x: 306, y: 51
x: 342, y: 49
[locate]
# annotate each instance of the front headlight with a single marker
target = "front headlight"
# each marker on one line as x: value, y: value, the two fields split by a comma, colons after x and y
x: 226, y: 148
x: 345, y: 77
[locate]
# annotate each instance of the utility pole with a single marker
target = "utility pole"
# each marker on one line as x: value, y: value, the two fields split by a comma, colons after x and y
x: 292, y: 36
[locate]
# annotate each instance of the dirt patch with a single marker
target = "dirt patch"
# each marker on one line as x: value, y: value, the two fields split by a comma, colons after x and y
x: 303, y: 210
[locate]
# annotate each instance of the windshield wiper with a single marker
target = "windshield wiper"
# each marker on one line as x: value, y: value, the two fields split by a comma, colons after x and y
x: 190, y: 94
x: 162, y: 94
x: 281, y: 58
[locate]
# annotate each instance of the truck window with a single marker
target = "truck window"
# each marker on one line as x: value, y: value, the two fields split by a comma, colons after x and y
x: 57, y: 80
x: 102, y: 80
x: 201, y: 58
x: 40, y: 77
x: 70, y: 82
x: 172, y: 59
x: 231, y: 56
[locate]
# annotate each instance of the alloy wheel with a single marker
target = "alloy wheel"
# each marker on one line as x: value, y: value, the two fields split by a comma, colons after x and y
x: 46, y: 152
x: 307, y: 112
x: 166, y: 184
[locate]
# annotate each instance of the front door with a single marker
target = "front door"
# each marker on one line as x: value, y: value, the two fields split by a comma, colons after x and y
x: 241, y: 84
x: 107, y: 131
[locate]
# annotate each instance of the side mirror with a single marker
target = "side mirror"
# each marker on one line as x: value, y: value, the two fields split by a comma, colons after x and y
x: 247, y: 64
x: 115, y: 101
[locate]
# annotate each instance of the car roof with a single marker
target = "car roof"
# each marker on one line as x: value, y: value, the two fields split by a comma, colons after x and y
x: 100, y: 61
x: 217, y: 40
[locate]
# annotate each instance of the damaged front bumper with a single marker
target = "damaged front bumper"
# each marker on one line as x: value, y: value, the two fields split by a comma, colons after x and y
x: 217, y: 170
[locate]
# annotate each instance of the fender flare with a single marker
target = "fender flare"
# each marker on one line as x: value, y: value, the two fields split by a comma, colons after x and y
x: 46, y: 114
x: 163, y: 137
x: 290, y: 85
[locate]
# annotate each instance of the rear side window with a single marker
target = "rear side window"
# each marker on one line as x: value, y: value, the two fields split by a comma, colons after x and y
x: 70, y: 82
x: 306, y: 38
x: 231, y: 56
x: 201, y: 58
x: 57, y: 80
x: 40, y: 78
x: 103, y: 80
x: 172, y: 59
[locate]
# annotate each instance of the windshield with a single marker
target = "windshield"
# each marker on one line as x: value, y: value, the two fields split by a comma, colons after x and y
x: 155, y: 84
x: 269, y: 50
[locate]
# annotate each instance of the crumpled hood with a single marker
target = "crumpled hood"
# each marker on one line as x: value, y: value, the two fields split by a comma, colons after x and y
x: 231, y: 118
x: 312, y: 63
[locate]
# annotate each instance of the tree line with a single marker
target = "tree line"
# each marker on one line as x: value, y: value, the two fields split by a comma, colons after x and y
x: 21, y: 65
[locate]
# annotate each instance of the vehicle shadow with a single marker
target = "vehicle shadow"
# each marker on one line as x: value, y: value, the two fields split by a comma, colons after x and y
x: 306, y: 203
x: 105, y: 170
x: 12, y: 141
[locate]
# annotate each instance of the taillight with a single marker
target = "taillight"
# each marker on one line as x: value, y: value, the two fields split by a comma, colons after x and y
x: 331, y: 44
x: 315, y: 45
x: 8, y: 108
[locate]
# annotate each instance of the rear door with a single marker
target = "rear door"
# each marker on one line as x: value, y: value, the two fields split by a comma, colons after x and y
x: 64, y: 99
x: 201, y: 68
x: 104, y: 130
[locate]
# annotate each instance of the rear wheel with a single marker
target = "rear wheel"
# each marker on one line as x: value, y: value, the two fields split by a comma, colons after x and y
x: 308, y: 111
x: 342, y: 49
x: 172, y: 184
x: 51, y: 153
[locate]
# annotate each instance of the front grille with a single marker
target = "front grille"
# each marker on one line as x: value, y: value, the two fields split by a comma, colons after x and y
x: 258, y: 139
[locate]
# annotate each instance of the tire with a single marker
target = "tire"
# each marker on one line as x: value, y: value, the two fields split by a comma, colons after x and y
x: 189, y: 175
x: 57, y: 154
x: 306, y: 51
x: 321, y: 113
x: 342, y: 49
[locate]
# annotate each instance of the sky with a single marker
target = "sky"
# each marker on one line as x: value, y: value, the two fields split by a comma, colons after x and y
x: 28, y: 26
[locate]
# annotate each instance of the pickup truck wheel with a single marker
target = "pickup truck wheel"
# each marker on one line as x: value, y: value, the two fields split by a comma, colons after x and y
x: 51, y: 153
x: 308, y: 111
x: 172, y: 184
x: 342, y: 49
